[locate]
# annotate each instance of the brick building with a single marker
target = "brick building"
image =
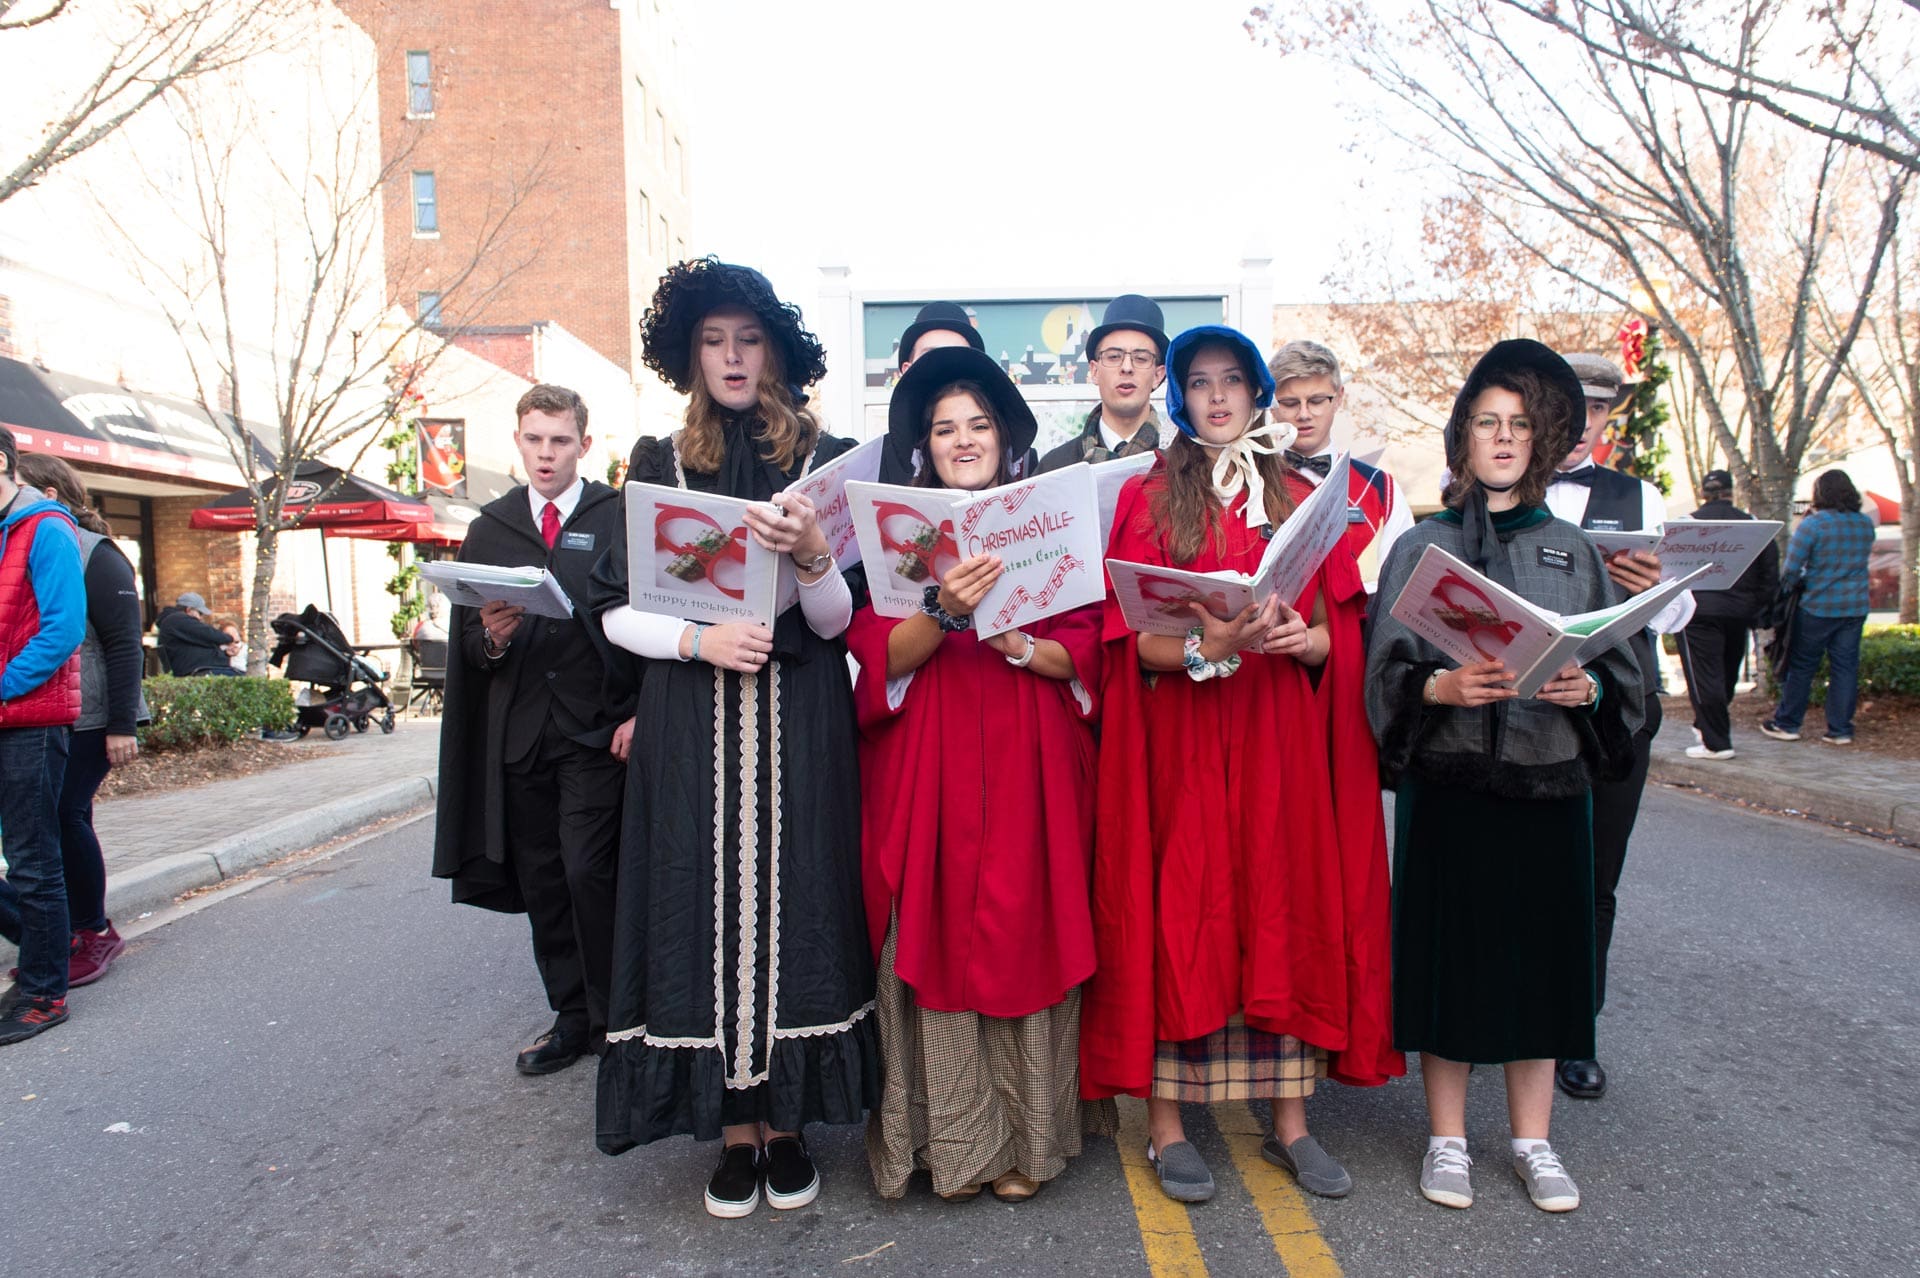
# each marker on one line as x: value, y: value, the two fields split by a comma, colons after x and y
x: 586, y: 99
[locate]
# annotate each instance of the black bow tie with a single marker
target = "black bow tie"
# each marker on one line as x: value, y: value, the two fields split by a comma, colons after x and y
x: 1320, y: 465
x: 1582, y: 477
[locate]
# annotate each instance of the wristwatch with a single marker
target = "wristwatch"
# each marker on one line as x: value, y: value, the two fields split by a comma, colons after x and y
x: 818, y: 564
x: 930, y: 604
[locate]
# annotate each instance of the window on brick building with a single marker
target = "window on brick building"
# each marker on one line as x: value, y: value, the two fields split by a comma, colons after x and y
x: 679, y: 249
x: 660, y: 135
x: 679, y: 166
x: 419, y: 83
x: 426, y: 205
x: 640, y: 97
x: 429, y: 307
x: 665, y: 239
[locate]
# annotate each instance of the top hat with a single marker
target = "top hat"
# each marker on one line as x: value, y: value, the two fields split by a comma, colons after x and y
x: 1130, y: 310
x: 948, y: 315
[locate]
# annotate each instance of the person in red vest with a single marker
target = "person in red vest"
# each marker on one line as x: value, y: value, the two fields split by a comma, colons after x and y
x: 43, y: 618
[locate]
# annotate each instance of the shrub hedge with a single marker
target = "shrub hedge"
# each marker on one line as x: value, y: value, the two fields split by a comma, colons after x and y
x: 202, y: 711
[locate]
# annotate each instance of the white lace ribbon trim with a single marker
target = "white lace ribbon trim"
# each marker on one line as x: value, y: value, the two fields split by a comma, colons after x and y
x: 749, y: 933
x: 805, y: 1031
x: 1235, y: 467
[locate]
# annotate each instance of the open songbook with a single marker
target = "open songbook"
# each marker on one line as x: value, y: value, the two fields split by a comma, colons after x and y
x: 1725, y: 546
x: 1473, y: 618
x: 476, y: 585
x: 1154, y: 599
x: 1046, y: 531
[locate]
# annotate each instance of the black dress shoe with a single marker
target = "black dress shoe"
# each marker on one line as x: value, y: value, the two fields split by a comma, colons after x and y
x: 552, y: 1051
x: 1582, y: 1080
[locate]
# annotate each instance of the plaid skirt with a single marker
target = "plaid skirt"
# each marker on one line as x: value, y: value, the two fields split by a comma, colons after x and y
x: 1236, y: 1062
x: 969, y: 1097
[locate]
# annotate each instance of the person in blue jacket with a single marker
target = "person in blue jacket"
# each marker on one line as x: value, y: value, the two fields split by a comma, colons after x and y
x: 43, y: 618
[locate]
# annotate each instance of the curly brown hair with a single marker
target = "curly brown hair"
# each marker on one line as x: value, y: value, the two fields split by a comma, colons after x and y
x: 1552, y: 428
x: 1185, y: 512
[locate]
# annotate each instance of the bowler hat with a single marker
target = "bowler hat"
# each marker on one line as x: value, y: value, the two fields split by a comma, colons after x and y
x: 948, y: 315
x: 691, y: 290
x: 1130, y: 310
x: 1180, y: 353
x: 922, y: 383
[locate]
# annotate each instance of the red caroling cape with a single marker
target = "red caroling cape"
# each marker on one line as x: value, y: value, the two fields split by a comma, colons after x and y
x: 1220, y: 880
x: 978, y: 817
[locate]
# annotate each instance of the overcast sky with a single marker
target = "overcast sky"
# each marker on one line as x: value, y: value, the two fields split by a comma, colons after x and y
x: 1013, y: 142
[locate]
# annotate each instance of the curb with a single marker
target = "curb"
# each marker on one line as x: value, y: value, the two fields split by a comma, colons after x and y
x: 1897, y: 814
x: 153, y: 884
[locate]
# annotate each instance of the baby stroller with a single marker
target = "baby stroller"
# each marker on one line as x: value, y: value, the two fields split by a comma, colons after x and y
x: 343, y: 690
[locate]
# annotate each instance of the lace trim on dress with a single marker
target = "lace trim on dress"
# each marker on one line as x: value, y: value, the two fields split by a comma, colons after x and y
x: 773, y: 865
x: 749, y: 936
x: 719, y: 851
x: 838, y: 1027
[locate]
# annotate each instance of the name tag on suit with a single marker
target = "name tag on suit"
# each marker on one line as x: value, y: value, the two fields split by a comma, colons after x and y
x: 576, y: 541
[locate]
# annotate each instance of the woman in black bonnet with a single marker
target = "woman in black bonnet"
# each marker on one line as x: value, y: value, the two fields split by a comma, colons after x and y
x: 742, y: 980
x: 1493, y: 943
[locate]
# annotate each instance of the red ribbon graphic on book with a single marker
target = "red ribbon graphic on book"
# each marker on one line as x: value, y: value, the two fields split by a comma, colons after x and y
x: 1170, y: 598
x: 920, y: 551
x: 1475, y: 615
x: 1020, y: 598
x: 695, y: 560
x: 1012, y: 501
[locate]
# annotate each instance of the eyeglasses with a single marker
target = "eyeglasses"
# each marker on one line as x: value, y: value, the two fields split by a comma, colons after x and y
x: 1114, y: 358
x: 1487, y: 425
x: 1318, y: 403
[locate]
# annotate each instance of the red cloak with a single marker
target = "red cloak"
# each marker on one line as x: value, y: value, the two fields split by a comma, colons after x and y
x: 1358, y: 815
x: 978, y: 816
x: 1219, y: 877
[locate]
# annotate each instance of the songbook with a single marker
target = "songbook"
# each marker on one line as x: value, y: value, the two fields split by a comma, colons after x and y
x: 826, y: 488
x: 1725, y: 546
x: 690, y: 554
x: 1109, y: 477
x: 1046, y: 531
x: 477, y: 585
x: 1473, y: 618
x: 1154, y: 599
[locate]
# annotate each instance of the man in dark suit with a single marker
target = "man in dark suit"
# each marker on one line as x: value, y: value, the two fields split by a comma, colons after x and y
x: 1127, y: 359
x: 1601, y: 499
x: 1714, y: 644
x: 536, y: 729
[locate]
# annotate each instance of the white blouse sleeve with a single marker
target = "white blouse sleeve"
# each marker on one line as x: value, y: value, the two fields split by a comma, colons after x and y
x: 827, y: 604
x: 649, y: 634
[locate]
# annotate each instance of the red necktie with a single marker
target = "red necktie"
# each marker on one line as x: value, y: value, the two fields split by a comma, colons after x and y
x: 550, y: 525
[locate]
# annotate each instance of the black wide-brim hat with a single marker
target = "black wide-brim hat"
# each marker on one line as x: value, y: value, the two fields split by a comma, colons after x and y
x: 950, y: 316
x: 922, y: 383
x: 692, y: 290
x: 1522, y: 354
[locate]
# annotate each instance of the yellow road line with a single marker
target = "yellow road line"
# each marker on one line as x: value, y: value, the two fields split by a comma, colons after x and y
x: 1166, y: 1228
x: 1283, y: 1208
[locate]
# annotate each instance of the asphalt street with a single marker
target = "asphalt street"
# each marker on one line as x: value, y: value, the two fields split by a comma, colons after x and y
x: 315, y: 1077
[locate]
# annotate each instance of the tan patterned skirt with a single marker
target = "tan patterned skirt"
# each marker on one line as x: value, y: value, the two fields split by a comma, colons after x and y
x: 970, y: 1097
x: 1236, y: 1062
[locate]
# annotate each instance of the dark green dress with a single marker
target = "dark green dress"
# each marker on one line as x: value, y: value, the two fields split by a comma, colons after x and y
x: 1493, y: 942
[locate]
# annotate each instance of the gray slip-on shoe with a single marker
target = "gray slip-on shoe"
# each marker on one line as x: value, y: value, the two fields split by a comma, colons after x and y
x: 1311, y: 1165
x: 1183, y: 1173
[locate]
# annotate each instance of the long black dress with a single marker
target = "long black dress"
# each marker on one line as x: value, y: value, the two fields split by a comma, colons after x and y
x: 742, y: 976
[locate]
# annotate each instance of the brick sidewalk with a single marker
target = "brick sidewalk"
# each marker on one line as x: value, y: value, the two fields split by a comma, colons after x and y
x: 143, y: 828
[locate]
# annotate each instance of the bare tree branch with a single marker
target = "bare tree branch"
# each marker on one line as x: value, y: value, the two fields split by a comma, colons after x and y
x: 151, y: 51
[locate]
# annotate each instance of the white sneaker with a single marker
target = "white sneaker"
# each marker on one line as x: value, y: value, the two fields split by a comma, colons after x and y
x: 1546, y: 1180
x: 1706, y: 752
x: 1443, y: 1175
